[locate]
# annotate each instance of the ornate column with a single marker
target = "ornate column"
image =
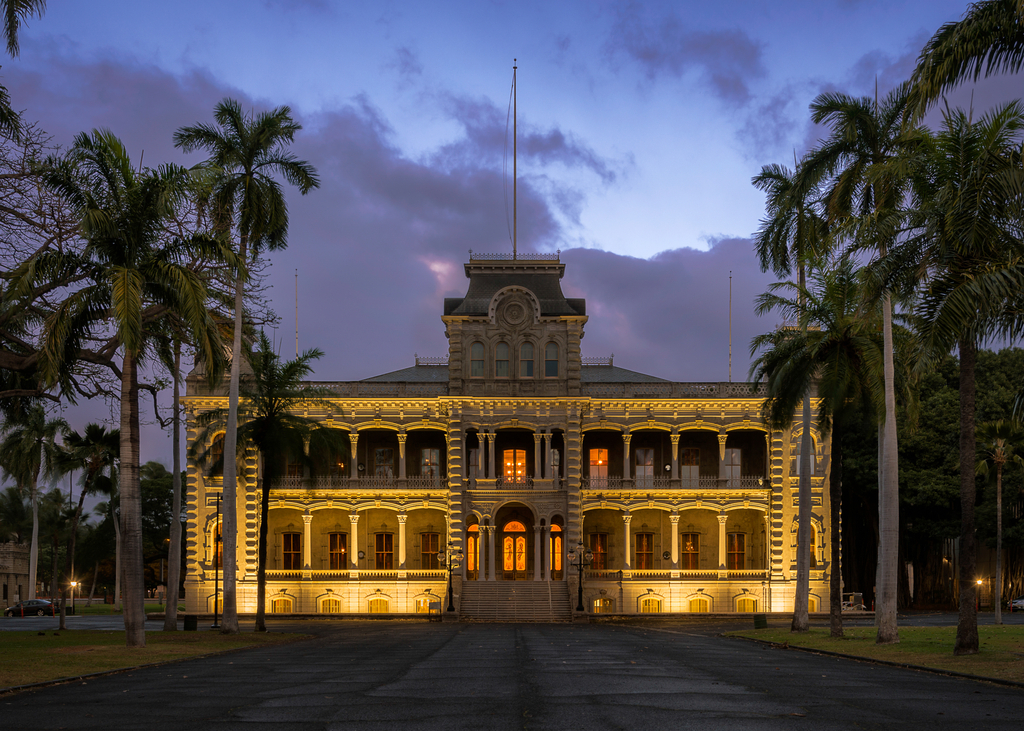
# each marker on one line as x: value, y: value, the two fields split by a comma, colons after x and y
x: 538, y: 531
x: 674, y: 519
x: 722, y: 571
x: 490, y: 554
x: 353, y: 467
x: 401, y: 455
x: 490, y: 456
x: 537, y: 467
x: 627, y: 549
x: 307, y: 551
x: 675, y: 456
x: 353, y: 550
x: 627, y: 473
x: 401, y: 541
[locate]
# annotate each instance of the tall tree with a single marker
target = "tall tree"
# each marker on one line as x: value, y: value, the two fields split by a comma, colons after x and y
x: 837, y: 352
x: 270, y: 421
x: 1000, y: 442
x: 792, y: 235
x: 15, y: 13
x: 136, y: 276
x: 866, y: 161
x: 248, y: 152
x: 90, y: 453
x: 988, y: 39
x: 15, y: 516
x: 967, y: 255
x: 28, y: 450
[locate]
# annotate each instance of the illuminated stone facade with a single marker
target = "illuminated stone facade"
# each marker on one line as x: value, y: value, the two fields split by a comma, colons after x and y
x: 514, y: 448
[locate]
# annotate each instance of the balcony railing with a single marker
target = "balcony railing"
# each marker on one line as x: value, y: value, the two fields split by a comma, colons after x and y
x: 703, y: 482
x: 602, y: 483
x: 283, y: 575
x: 514, y: 483
x: 369, y: 482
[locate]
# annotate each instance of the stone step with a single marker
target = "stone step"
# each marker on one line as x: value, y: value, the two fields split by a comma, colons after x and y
x: 515, y: 601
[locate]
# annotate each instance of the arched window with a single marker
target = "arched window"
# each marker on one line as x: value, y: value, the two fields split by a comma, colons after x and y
x: 604, y: 606
x: 501, y: 354
x: 472, y: 548
x: 555, y: 549
x: 378, y: 605
x: 330, y: 605
x: 476, y: 360
x: 814, y: 547
x: 812, y: 604
x: 280, y: 605
x: 526, y: 361
x: 746, y: 604
x: 514, y: 547
x: 551, y: 360
x: 650, y: 605
x: 699, y: 604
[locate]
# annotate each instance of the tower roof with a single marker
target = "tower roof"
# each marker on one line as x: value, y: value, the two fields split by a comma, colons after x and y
x: 490, y: 273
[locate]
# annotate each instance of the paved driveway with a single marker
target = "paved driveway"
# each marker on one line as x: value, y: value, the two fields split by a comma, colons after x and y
x: 366, y: 674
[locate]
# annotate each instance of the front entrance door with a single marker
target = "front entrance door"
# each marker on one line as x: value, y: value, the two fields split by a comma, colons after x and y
x: 514, y: 547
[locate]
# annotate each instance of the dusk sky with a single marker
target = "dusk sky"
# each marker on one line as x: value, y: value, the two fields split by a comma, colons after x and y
x: 640, y: 127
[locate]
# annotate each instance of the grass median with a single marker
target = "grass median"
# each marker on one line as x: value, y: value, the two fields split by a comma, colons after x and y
x: 37, y: 657
x: 1001, y: 652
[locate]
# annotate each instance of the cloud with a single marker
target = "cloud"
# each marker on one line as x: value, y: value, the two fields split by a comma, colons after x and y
x: 664, y: 46
x: 407, y: 65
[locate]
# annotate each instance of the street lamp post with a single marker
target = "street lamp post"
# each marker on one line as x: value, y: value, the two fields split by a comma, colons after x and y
x: 73, y: 585
x: 581, y: 558
x: 216, y: 569
x: 450, y: 559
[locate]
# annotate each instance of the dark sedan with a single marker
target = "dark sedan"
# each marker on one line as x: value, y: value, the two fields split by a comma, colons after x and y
x: 31, y: 608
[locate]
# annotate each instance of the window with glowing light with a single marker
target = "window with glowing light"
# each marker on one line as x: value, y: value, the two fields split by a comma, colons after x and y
x: 650, y: 605
x: 423, y: 605
x: 812, y: 604
x: 216, y: 552
x: 291, y: 552
x: 514, y: 547
x: 555, y: 549
x: 331, y: 605
x: 689, y: 559
x: 736, y: 551
x: 599, y: 547
x: 384, y: 548
x: 378, y: 605
x: 280, y: 605
x: 338, y: 551
x: 476, y: 360
x: 551, y: 360
x: 501, y: 356
x: 814, y: 547
x: 472, y: 549
x: 599, y: 465
x: 514, y: 463
x: 428, y: 551
x: 430, y: 462
x: 526, y: 360
x: 644, y: 551
x: 746, y: 604
x: 604, y: 606
x: 699, y: 604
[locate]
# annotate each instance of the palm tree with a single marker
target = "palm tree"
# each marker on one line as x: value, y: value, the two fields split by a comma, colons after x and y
x: 90, y: 453
x: 867, y: 161
x: 999, y: 443
x: 15, y: 13
x: 988, y: 39
x: 793, y: 233
x: 837, y: 351
x: 270, y: 424
x: 15, y: 518
x: 247, y: 152
x: 135, y: 278
x: 967, y: 255
x: 28, y: 449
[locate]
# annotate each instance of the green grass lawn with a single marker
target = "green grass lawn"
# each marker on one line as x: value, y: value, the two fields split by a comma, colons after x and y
x: 97, y: 608
x: 1001, y: 653
x: 31, y: 657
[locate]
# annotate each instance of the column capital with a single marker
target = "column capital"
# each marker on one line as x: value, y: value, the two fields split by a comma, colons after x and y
x: 626, y: 436
x: 674, y: 518
x: 402, y: 436
x: 722, y: 517
x: 675, y: 438
x: 307, y: 518
x: 353, y: 518
x: 537, y: 436
x: 402, y: 519
x: 626, y: 518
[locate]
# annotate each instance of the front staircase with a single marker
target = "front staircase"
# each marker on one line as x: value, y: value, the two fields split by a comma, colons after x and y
x: 515, y: 601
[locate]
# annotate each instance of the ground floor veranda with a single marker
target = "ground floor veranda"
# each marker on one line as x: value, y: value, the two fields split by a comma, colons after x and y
x: 327, y: 557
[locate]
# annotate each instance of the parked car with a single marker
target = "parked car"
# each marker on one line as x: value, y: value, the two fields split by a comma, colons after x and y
x: 31, y: 608
x: 1017, y: 604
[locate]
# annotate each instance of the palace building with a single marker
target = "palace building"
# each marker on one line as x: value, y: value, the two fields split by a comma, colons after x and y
x: 514, y: 449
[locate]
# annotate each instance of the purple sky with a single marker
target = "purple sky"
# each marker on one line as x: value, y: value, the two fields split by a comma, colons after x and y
x: 640, y: 125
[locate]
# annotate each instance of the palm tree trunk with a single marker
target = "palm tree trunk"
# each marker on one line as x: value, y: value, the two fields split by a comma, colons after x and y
x: 261, y: 578
x: 801, y: 622
x: 33, y: 556
x: 967, y: 625
x: 131, y: 506
x: 888, y: 497
x: 229, y: 623
x: 117, y: 556
x: 174, y: 550
x: 92, y: 590
x: 835, y: 502
x: 999, y: 545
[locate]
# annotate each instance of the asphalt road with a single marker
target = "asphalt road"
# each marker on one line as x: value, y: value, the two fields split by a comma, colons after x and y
x: 374, y: 674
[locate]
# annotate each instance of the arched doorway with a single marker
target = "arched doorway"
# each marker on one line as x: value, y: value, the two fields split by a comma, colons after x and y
x: 515, y: 543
